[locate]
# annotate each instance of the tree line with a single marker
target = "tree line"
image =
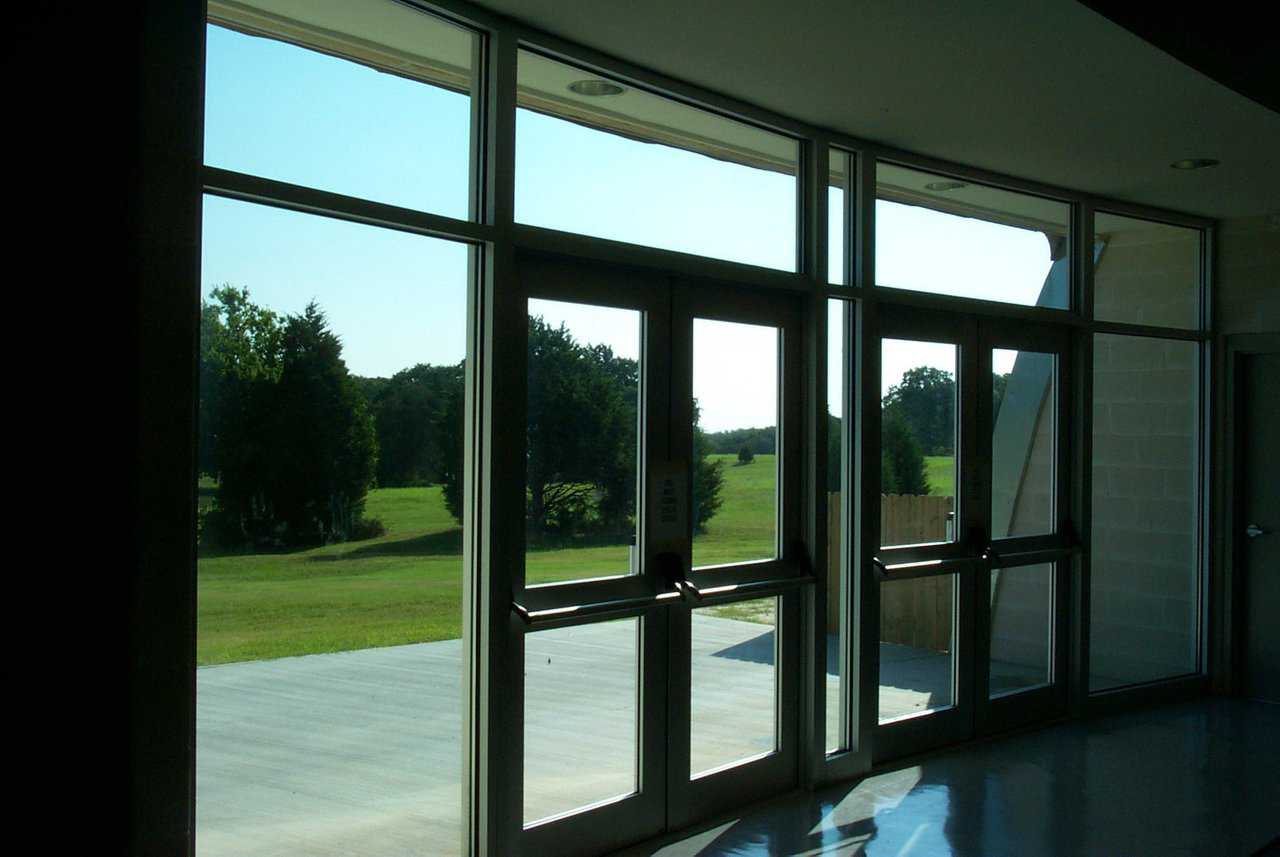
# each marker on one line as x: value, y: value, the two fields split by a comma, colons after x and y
x: 294, y: 441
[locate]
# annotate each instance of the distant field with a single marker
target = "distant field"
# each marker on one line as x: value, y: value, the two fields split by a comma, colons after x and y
x: 406, y: 586
x: 940, y: 471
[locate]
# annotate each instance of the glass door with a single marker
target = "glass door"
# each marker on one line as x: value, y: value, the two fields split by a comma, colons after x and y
x: 1021, y: 651
x: 659, y: 604
x: 969, y: 527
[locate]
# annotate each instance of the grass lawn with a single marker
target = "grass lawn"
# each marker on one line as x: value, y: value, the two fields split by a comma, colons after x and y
x: 940, y: 471
x: 406, y: 586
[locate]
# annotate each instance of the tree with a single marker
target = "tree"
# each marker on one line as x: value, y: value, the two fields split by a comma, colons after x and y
x: 901, y: 462
x: 408, y: 409
x: 745, y: 455
x: 708, y: 477
x: 926, y: 400
x: 326, y: 447
x: 999, y: 383
x: 902, y: 466
x: 284, y: 429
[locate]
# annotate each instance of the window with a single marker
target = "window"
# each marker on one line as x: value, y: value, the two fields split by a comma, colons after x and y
x: 951, y: 237
x: 1144, y: 586
x: 610, y: 160
x: 330, y: 550
x: 839, y: 180
x: 1145, y: 272
x: 370, y: 100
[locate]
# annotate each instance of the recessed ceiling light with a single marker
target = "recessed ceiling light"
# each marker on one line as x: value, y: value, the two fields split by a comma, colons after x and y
x: 1194, y: 163
x: 594, y: 87
x: 946, y: 185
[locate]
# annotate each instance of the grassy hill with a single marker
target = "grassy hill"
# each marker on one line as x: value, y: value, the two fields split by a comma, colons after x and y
x: 406, y: 586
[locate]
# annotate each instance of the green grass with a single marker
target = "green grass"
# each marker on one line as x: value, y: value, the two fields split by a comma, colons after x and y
x: 940, y: 471
x: 406, y: 586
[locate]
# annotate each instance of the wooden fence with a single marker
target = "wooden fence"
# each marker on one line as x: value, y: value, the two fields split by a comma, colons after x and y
x: 914, y: 612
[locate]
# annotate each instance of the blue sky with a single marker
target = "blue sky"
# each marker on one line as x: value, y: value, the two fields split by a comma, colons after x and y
x: 398, y: 299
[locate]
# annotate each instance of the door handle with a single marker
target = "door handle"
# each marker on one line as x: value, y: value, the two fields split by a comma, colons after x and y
x: 1253, y: 531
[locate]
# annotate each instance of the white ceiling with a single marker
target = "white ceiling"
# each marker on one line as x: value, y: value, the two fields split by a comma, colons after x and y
x: 1040, y: 89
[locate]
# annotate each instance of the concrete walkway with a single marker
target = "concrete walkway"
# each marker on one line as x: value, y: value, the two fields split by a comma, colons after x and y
x: 360, y: 752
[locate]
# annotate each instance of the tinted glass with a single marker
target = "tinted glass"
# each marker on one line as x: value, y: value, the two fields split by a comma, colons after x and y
x: 1145, y: 272
x: 918, y: 438
x: 949, y: 237
x: 581, y: 453
x: 391, y: 123
x: 330, y: 561
x: 1144, y: 586
x: 610, y: 160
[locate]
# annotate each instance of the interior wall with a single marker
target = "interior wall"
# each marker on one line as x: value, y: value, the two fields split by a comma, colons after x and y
x: 1247, y: 301
x: 1247, y: 276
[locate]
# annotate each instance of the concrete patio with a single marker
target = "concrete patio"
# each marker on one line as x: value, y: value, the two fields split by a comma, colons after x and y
x: 360, y: 752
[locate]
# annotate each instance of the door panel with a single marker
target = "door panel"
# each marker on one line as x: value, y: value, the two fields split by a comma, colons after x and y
x: 1260, y: 511
x: 654, y: 692
x: 971, y: 523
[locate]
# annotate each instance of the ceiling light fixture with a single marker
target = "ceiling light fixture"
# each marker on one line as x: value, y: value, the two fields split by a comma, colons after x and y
x: 594, y: 87
x: 1194, y: 163
x: 946, y: 185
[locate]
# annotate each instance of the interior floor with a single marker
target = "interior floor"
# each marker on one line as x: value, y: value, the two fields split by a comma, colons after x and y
x: 1193, y: 778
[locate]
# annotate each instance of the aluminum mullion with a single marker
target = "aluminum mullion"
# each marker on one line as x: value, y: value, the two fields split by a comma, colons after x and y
x: 250, y: 188
x: 813, y: 356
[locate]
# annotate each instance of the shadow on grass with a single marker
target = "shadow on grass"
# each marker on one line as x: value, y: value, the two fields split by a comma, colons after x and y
x: 443, y: 543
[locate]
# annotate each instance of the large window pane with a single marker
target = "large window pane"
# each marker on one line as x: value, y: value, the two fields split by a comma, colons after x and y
x: 1145, y: 272
x: 1145, y: 572
x: 330, y: 564
x: 837, y: 225
x: 839, y: 373
x: 917, y: 646
x: 937, y: 234
x: 734, y: 684
x: 612, y: 161
x: 581, y: 710
x: 1021, y: 655
x: 918, y: 434
x: 1022, y: 442
x: 735, y: 442
x: 391, y: 123
x: 581, y: 459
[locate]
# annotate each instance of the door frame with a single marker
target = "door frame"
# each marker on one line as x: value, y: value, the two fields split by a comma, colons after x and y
x: 974, y: 553
x: 667, y: 797
x: 1230, y: 584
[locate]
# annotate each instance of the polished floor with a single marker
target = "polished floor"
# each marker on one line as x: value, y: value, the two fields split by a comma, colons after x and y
x: 1191, y: 779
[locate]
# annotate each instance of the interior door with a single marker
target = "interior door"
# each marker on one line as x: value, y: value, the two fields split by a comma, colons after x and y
x: 659, y: 608
x: 970, y: 529
x: 1259, y: 515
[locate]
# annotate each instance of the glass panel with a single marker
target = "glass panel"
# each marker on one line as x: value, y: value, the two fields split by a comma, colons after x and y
x: 1145, y: 272
x: 609, y: 160
x: 917, y: 646
x: 735, y: 442
x: 838, y: 375
x: 581, y: 707
x: 1021, y: 628
x: 948, y: 237
x: 918, y: 461
x: 837, y: 227
x: 1145, y: 572
x: 583, y: 406
x: 1022, y: 443
x: 392, y: 123
x: 331, y: 432
x: 734, y: 684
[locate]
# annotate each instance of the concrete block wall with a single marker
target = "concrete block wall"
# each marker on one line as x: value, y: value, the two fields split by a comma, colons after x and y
x: 1145, y: 432
x: 1147, y: 273
x: 1022, y: 598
